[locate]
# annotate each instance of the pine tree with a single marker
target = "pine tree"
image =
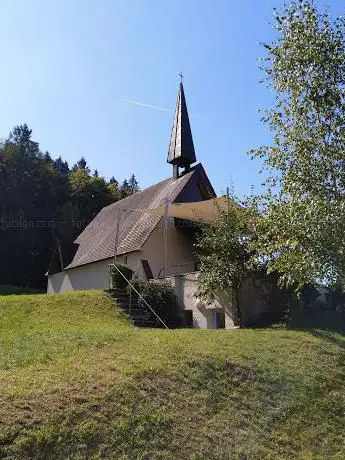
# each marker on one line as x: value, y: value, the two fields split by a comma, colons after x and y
x: 133, y: 184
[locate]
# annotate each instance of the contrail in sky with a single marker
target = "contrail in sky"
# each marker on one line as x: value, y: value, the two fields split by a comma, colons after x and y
x: 155, y: 107
x: 149, y: 106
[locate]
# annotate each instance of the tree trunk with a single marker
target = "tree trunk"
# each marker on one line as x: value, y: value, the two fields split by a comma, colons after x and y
x: 236, y: 306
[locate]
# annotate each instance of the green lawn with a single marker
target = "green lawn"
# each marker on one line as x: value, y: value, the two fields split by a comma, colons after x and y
x: 77, y: 382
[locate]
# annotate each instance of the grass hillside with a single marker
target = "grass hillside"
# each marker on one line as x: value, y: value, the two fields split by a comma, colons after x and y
x: 77, y: 382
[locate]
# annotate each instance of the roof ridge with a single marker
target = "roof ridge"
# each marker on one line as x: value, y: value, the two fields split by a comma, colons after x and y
x: 168, y: 179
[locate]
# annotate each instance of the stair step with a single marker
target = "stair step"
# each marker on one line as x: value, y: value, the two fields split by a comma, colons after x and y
x: 144, y: 323
x: 133, y: 308
x: 138, y: 313
x: 137, y: 316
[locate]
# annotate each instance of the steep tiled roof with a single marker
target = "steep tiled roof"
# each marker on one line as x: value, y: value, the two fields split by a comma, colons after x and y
x: 97, y: 241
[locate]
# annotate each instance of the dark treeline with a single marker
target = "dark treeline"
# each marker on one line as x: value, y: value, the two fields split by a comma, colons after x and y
x: 44, y: 201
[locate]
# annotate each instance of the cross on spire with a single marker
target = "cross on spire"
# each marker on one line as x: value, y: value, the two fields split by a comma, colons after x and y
x: 181, y: 76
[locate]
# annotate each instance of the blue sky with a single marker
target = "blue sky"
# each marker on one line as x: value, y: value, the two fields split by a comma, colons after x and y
x: 68, y: 65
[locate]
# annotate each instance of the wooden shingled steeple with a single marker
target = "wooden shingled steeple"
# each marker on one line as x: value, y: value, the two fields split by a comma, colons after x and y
x: 181, y: 149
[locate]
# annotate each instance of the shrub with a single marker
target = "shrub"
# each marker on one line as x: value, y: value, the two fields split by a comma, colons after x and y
x: 274, y: 300
x: 116, y: 280
x: 335, y: 299
x: 161, y: 298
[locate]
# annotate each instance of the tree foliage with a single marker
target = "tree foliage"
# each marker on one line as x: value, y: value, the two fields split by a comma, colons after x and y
x: 42, y: 201
x: 225, y: 252
x: 301, y: 217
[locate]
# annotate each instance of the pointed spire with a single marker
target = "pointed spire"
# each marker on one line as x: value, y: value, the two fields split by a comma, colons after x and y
x: 181, y: 148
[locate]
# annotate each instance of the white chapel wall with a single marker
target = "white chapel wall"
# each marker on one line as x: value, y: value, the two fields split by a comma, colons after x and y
x: 90, y: 276
x: 185, y: 288
x: 180, y: 253
x: 96, y: 276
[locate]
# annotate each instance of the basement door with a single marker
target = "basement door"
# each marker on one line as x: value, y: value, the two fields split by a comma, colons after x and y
x: 219, y: 320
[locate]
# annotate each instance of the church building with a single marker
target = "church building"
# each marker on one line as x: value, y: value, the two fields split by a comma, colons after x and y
x: 130, y: 233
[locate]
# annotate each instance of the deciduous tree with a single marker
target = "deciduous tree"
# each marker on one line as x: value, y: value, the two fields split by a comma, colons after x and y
x: 301, y: 223
x: 225, y: 254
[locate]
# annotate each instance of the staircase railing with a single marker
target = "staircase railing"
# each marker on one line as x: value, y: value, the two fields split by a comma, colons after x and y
x: 141, y: 297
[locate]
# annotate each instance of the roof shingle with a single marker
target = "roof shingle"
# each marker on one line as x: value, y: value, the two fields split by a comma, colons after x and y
x: 97, y: 241
x: 181, y: 147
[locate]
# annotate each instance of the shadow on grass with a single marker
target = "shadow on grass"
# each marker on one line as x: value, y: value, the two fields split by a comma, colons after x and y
x: 326, y: 324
